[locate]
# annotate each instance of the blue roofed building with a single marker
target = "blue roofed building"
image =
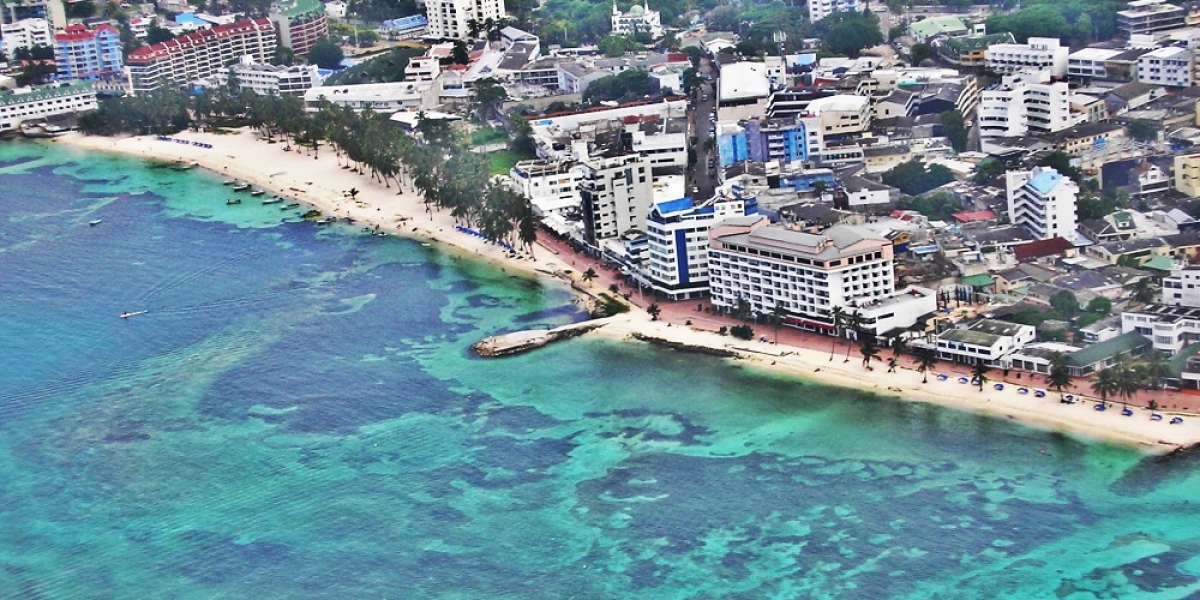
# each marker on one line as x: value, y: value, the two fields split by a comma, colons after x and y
x: 677, y: 231
x: 404, y: 28
x: 1043, y: 201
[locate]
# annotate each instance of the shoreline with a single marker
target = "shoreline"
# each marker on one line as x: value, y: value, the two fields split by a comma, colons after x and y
x: 322, y: 184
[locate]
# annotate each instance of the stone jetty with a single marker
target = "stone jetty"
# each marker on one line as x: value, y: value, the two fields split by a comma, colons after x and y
x: 524, y: 341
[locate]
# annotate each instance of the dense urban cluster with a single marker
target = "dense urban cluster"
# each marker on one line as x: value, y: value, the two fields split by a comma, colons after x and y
x: 1005, y: 186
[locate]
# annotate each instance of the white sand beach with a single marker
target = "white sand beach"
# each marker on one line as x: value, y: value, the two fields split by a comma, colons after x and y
x: 323, y: 184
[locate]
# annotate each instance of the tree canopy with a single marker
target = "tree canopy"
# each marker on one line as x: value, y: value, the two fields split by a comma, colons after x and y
x: 626, y: 85
x: 1074, y: 21
x: 955, y: 129
x: 848, y: 33
x: 326, y: 54
x: 915, y: 177
x: 939, y: 205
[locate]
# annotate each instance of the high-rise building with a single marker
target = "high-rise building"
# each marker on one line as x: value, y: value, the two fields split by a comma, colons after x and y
x: 301, y: 23
x: 677, y: 233
x: 1026, y: 103
x: 1149, y: 16
x: 616, y: 193
x: 90, y: 54
x: 50, y: 10
x: 200, y: 54
x: 1043, y: 200
x: 809, y: 275
x: 819, y: 9
x: 451, y: 19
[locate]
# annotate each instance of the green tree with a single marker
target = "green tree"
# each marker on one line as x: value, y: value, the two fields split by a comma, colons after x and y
x: 915, y: 177
x: 614, y: 45
x: 1141, y: 130
x: 156, y: 34
x: 926, y: 361
x: 654, y: 311
x: 326, y: 54
x: 589, y: 275
x: 283, y: 56
x: 848, y: 33
x: 955, y: 129
x: 1155, y: 369
x: 922, y: 52
x: 1064, y: 303
x: 1129, y: 382
x: 1059, y: 378
x: 1142, y: 289
x: 869, y: 351
x: 628, y: 85
x: 1107, y: 384
x: 1100, y: 305
x: 987, y: 170
x: 459, y: 54
x: 979, y: 374
x: 1061, y: 162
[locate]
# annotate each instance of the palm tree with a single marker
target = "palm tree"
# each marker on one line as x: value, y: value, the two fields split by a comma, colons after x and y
x: 899, y: 346
x: 869, y: 351
x: 1155, y: 369
x: 778, y: 318
x: 1142, y: 289
x: 838, y: 320
x: 855, y: 322
x: 1107, y: 383
x: 979, y: 374
x: 1059, y: 379
x: 653, y: 310
x: 926, y: 361
x: 1129, y: 382
x: 589, y: 275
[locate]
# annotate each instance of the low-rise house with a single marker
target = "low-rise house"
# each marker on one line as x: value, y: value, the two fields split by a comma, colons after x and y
x: 1036, y: 358
x: 1086, y: 137
x: 986, y: 341
x: 1132, y: 96
x: 1102, y: 355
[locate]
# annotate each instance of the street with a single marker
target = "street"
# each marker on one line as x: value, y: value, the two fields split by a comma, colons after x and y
x: 702, y: 179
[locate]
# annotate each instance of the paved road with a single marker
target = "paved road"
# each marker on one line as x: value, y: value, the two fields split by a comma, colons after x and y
x: 702, y: 180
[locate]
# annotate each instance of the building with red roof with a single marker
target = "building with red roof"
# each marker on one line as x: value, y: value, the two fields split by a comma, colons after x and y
x: 200, y: 54
x: 1042, y: 248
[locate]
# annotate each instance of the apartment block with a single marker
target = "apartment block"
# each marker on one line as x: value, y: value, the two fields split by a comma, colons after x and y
x: 200, y: 54
x: 677, y: 232
x: 1090, y: 63
x: 1043, y: 201
x: 1187, y: 174
x: 1170, y: 328
x: 986, y: 341
x: 550, y: 185
x: 819, y: 9
x: 449, y: 18
x: 1043, y: 54
x: 300, y: 23
x: 1171, y: 66
x: 616, y: 193
x: 52, y: 11
x: 89, y: 54
x: 1182, y: 287
x: 1025, y: 104
x: 1149, y: 16
x: 25, y: 33
x: 266, y: 80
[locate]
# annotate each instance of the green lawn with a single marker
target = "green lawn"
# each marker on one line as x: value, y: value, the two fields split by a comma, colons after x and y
x: 488, y: 135
x: 502, y: 162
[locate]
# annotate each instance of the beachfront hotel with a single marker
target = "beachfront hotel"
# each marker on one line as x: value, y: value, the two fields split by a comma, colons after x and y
x: 809, y: 274
x: 37, y: 103
x: 616, y: 192
x: 300, y: 23
x: 200, y: 54
x: 677, y: 238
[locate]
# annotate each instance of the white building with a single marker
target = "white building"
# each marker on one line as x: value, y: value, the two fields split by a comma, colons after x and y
x: 1046, y: 54
x: 449, y: 18
x: 1182, y: 287
x: 26, y: 33
x: 1043, y: 201
x: 843, y: 114
x: 1149, y: 16
x: 266, y: 80
x: 336, y: 9
x: 989, y: 342
x: 819, y: 9
x: 1025, y: 104
x: 1170, y: 328
x: 37, y: 103
x: 551, y: 186
x: 615, y: 193
x: 380, y: 97
x: 639, y: 19
x: 1089, y: 62
x: 677, y: 232
x: 1170, y: 66
x: 808, y: 275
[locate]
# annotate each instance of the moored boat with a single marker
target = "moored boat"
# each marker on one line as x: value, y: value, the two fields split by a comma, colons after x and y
x: 273, y: 200
x: 95, y: 222
x: 241, y: 187
x: 257, y: 193
x: 233, y: 201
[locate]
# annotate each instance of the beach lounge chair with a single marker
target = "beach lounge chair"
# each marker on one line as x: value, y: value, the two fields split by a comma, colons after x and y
x: 1039, y: 393
x: 943, y: 377
x: 1101, y: 406
x: 1176, y: 420
x: 963, y: 380
x: 1155, y: 417
x: 998, y: 386
x: 1128, y: 412
x: 1022, y: 390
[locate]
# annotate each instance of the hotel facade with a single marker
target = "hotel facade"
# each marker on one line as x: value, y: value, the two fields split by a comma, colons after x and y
x: 200, y: 54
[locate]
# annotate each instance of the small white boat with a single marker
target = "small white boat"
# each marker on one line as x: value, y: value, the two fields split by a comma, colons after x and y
x: 95, y: 222
x: 127, y: 314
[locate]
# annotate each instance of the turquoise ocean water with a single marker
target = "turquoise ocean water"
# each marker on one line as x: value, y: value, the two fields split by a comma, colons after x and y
x: 298, y: 416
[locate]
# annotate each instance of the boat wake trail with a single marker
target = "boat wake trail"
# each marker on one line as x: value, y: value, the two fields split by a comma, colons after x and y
x: 171, y: 284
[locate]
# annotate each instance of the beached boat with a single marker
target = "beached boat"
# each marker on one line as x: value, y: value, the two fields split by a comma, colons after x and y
x: 228, y: 182
x: 95, y: 222
x: 257, y: 193
x: 185, y: 166
x: 232, y: 201
x: 326, y: 221
x: 241, y: 187
x: 273, y: 200
x: 290, y: 206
